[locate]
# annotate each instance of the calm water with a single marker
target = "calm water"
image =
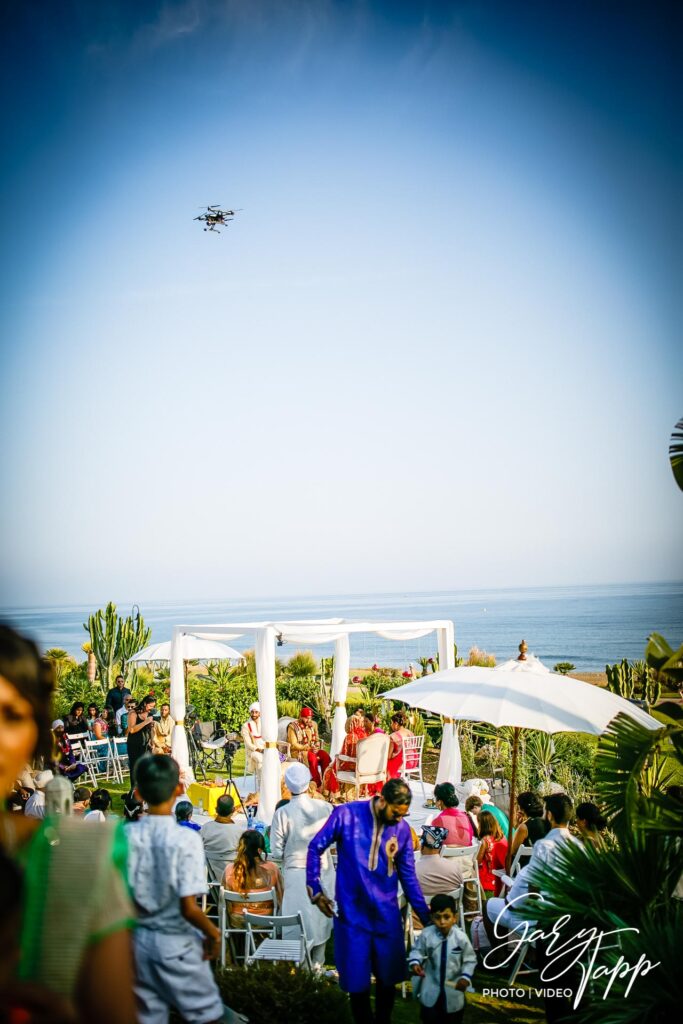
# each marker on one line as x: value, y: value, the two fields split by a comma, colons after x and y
x: 588, y: 626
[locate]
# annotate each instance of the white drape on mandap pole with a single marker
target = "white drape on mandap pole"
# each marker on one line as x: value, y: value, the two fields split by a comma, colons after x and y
x: 265, y: 673
x: 177, y: 702
x: 450, y: 760
x: 340, y: 686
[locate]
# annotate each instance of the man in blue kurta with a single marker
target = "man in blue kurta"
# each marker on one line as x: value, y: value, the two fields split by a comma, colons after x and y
x: 374, y: 853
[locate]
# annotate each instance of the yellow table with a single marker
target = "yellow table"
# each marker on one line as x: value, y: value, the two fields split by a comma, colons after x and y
x: 208, y: 795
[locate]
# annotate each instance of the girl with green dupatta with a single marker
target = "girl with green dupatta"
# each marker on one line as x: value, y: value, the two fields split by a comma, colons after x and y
x: 74, y: 962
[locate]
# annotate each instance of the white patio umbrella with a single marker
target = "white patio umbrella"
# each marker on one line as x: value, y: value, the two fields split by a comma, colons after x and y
x: 520, y: 693
x: 194, y: 649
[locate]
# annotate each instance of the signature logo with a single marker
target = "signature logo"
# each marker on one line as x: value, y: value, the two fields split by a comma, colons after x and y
x: 564, y: 951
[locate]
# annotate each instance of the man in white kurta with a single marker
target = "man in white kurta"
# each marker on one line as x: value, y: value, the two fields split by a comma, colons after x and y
x: 253, y: 740
x: 293, y: 827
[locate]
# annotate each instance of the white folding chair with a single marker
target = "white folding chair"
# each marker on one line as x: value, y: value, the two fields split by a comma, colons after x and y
x: 370, y: 762
x: 98, y: 755
x: 472, y: 884
x: 523, y: 852
x: 274, y: 947
x: 119, y: 748
x: 226, y: 899
x: 77, y: 741
x: 412, y: 760
x: 80, y: 751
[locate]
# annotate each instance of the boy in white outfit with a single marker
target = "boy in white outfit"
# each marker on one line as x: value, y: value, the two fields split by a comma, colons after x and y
x: 166, y: 873
x: 442, y: 962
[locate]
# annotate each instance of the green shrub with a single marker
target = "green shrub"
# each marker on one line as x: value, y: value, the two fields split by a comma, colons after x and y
x: 229, y: 702
x: 481, y: 658
x: 301, y: 665
x: 277, y: 992
x: 288, y: 708
x: 303, y: 691
x: 576, y: 750
x: 74, y: 687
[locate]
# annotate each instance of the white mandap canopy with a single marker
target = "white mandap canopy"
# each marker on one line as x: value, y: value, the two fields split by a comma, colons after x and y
x: 311, y: 631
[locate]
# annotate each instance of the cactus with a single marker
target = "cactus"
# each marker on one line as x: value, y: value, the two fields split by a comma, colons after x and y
x: 653, y: 688
x: 132, y: 636
x: 620, y: 678
x: 103, y: 628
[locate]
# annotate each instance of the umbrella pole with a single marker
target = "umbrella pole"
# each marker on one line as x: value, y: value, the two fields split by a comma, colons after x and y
x: 513, y: 788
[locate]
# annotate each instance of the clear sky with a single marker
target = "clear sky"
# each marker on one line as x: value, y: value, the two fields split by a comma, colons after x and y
x: 439, y: 346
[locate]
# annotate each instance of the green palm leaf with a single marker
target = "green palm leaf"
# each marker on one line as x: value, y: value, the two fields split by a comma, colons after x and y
x: 676, y: 453
x: 629, y: 774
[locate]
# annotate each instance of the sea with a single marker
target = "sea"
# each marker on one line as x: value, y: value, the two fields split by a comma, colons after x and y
x: 589, y: 626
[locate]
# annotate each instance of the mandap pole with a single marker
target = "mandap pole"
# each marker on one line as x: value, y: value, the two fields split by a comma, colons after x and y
x: 513, y: 775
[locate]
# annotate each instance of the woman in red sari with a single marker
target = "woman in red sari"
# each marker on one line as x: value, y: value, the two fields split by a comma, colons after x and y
x: 355, y: 730
x: 399, y: 732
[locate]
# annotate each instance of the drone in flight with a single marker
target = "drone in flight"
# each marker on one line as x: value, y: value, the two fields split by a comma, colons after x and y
x: 215, y: 218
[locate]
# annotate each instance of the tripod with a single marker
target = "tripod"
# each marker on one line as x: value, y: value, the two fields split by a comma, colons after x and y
x: 229, y: 751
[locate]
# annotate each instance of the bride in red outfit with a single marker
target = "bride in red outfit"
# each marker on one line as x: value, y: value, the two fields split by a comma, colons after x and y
x: 355, y: 730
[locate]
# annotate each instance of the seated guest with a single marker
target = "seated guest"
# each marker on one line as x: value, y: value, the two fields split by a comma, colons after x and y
x: 121, y: 715
x: 491, y: 854
x: 435, y: 873
x: 75, y: 722
x: 183, y: 815
x: 81, y: 800
x: 250, y: 873
x: 500, y: 816
x: 221, y: 837
x: 457, y: 823
x: 162, y: 732
x: 101, y: 727
x: 100, y: 802
x: 35, y: 805
x: 133, y: 807
x: 305, y: 745
x: 590, y: 823
x: 532, y: 824
x: 473, y: 806
x: 399, y: 732
x: 252, y: 739
x: 345, y: 760
x: 66, y: 761
x: 93, y: 713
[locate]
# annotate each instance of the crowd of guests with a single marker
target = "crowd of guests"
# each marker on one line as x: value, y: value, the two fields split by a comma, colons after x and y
x: 154, y: 878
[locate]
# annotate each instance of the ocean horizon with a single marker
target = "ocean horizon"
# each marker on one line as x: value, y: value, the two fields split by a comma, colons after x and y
x: 589, y: 625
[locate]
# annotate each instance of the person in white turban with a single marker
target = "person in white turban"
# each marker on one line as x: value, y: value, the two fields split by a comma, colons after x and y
x: 293, y: 827
x: 253, y: 740
x: 35, y: 805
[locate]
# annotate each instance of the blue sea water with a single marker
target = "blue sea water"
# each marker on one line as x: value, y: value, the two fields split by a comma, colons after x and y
x: 588, y: 625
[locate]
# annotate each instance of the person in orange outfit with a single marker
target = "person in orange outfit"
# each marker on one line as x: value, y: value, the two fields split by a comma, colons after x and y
x: 305, y: 745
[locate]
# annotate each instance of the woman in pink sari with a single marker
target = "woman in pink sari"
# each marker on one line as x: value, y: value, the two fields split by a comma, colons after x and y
x: 355, y: 730
x: 399, y: 732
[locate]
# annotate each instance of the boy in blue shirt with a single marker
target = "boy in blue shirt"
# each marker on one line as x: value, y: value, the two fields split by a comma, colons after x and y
x: 174, y: 940
x: 442, y: 962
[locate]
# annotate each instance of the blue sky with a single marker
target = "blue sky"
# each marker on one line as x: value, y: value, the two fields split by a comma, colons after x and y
x: 437, y: 348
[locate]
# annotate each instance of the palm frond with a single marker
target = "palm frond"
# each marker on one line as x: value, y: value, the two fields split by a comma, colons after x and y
x: 676, y: 453
x: 629, y: 772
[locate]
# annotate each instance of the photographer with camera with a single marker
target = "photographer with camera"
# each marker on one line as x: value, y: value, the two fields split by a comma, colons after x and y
x: 139, y: 734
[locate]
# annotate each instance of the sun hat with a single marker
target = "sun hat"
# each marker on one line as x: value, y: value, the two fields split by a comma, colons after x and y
x: 297, y: 778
